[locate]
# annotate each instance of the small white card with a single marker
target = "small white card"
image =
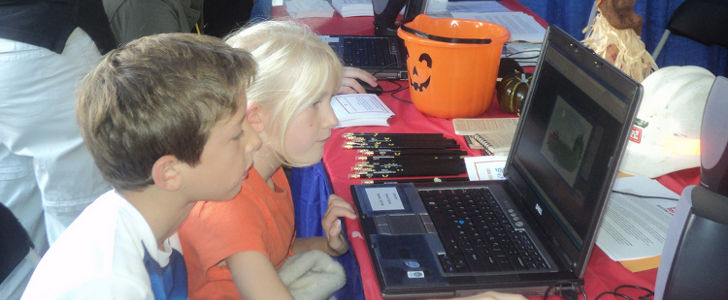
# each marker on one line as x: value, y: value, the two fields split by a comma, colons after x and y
x: 385, y: 198
x: 360, y: 110
x: 485, y: 167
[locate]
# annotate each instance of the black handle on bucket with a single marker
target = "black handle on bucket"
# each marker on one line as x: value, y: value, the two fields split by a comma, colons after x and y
x: 442, y: 38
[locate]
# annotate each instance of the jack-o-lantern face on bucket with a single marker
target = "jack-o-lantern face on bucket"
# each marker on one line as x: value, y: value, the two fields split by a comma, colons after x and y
x: 421, y: 73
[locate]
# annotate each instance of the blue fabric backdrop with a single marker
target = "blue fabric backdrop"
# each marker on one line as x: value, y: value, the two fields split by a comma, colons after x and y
x: 573, y: 15
x: 310, y: 188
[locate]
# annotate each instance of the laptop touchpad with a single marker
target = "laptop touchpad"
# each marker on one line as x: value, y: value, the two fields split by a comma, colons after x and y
x: 405, y: 224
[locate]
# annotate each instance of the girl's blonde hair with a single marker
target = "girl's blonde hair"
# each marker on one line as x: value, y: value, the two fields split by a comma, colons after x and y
x: 296, y: 68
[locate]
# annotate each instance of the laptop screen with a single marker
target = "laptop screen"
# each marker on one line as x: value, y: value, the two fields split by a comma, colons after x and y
x: 560, y: 156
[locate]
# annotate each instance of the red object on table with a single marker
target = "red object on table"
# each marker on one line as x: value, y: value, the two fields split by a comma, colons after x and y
x: 602, y: 273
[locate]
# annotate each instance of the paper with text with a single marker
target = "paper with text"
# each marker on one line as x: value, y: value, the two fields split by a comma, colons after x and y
x: 485, y: 167
x: 636, y: 227
x: 360, y: 110
x: 522, y: 26
x: 385, y: 198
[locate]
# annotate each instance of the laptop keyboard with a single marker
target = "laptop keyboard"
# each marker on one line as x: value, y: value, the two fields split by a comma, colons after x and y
x: 477, y: 235
x: 367, y: 52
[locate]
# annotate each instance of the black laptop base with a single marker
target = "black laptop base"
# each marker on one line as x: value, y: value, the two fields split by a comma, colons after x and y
x: 398, y: 274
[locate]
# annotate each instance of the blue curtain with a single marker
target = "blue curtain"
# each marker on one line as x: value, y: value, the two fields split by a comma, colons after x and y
x: 573, y: 15
x: 310, y: 188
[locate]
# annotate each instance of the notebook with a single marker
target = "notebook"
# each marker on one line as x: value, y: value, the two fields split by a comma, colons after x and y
x: 534, y: 230
x: 493, y: 135
x: 383, y: 56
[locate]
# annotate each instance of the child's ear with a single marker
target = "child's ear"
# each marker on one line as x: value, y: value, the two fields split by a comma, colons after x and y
x: 166, y: 173
x: 254, y: 117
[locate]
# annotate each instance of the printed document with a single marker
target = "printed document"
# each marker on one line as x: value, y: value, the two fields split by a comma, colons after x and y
x: 522, y: 26
x: 636, y: 227
x: 485, y: 167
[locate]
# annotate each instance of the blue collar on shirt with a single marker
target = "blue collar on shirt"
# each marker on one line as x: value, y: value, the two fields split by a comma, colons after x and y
x: 169, y: 282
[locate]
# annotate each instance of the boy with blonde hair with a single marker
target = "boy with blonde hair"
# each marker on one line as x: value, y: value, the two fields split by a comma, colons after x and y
x: 164, y: 118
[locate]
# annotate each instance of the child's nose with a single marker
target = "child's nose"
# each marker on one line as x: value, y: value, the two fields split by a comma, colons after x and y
x: 329, y: 118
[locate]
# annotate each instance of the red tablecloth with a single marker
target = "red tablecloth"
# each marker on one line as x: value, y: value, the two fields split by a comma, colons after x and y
x: 602, y: 273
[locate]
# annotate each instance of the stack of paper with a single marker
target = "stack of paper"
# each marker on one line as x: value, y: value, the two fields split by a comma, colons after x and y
x: 634, y: 228
x: 522, y: 26
x: 353, y: 8
x: 309, y: 9
x: 494, y: 135
x: 360, y: 110
x: 475, y: 6
x: 526, y: 54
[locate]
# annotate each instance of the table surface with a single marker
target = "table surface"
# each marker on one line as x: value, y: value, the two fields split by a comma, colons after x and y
x: 602, y: 273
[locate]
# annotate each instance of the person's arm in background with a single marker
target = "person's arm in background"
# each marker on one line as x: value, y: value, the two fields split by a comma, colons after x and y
x: 133, y: 19
x: 334, y: 243
x: 349, y: 85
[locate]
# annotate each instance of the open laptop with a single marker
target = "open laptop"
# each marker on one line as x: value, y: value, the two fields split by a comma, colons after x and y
x: 382, y: 56
x: 532, y: 232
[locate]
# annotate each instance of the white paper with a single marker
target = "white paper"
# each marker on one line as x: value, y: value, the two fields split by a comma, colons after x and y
x: 353, y: 8
x: 526, y: 54
x: 485, y: 167
x: 309, y: 8
x: 469, y: 126
x: 635, y: 227
x: 476, y: 6
x: 385, y: 198
x: 521, y: 25
x: 360, y: 110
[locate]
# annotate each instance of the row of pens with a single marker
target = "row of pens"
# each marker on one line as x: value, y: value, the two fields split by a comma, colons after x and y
x: 394, y: 157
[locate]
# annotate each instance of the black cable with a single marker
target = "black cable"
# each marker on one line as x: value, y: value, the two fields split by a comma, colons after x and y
x: 644, y: 196
x: 395, y: 90
x: 560, y: 285
x: 647, y: 296
x: 613, y: 293
x: 548, y: 290
x: 523, y: 58
x: 394, y: 95
x: 399, y: 86
x: 616, y: 292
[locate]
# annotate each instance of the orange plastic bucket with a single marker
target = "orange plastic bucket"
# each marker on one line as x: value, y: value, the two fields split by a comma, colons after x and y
x: 452, y: 64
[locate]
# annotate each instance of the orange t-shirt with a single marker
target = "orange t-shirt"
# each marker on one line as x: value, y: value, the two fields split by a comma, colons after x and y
x: 257, y: 219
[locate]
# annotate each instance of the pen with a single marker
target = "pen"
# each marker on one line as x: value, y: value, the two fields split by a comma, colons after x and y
x: 405, y: 152
x: 415, y: 158
x: 451, y: 169
x: 384, y: 134
x: 414, y: 180
x: 393, y: 146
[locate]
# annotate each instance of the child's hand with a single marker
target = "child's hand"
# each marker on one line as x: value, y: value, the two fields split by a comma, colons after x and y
x: 349, y: 85
x: 331, y: 223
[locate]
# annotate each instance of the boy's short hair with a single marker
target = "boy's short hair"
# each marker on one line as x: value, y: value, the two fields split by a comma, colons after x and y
x: 159, y: 95
x: 295, y: 68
